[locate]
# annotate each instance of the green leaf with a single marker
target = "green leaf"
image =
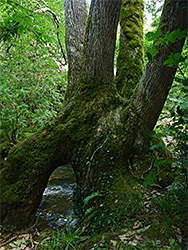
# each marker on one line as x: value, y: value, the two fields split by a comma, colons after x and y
x: 152, y: 35
x: 23, y: 241
x: 18, y: 243
x: 12, y: 245
x: 175, y: 59
x: 160, y: 41
x: 89, y: 210
x: 93, y: 195
x: 175, y: 35
x: 151, y: 52
x: 152, y: 133
x: 150, y: 179
x: 156, y: 146
x: 172, y: 241
x: 160, y: 162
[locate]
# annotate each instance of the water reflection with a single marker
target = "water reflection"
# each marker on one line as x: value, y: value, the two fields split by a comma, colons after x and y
x: 57, y: 201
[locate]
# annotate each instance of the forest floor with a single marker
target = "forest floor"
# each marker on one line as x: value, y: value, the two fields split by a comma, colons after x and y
x: 161, y: 224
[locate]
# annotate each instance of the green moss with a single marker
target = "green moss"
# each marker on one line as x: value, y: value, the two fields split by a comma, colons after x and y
x: 98, y: 140
x: 130, y: 57
x: 26, y: 171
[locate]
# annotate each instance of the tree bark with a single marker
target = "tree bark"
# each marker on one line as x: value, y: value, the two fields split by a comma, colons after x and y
x: 149, y: 98
x: 25, y: 172
x: 75, y: 23
x: 103, y: 136
x: 157, y: 79
x: 99, y: 44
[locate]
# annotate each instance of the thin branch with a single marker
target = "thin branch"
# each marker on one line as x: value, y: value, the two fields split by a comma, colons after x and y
x: 9, y: 47
x: 8, y: 30
x: 93, y: 157
x: 181, y: 72
x: 56, y: 22
x: 186, y: 80
x: 8, y: 241
x: 46, y: 45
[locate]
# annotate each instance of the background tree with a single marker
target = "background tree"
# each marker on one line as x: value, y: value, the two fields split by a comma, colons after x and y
x: 104, y: 136
x: 31, y: 66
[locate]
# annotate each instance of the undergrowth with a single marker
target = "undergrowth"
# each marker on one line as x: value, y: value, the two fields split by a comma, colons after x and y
x: 154, y: 220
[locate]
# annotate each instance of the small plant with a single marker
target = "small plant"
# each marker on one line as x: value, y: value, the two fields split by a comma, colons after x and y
x: 18, y: 244
x: 64, y: 238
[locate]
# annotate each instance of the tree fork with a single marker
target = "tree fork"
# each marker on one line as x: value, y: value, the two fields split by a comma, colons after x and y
x: 100, y: 134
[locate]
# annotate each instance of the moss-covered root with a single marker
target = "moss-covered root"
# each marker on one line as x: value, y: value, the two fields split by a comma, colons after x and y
x: 130, y: 57
x: 25, y: 174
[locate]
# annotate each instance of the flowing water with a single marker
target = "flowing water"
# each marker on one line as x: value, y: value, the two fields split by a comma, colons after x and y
x: 57, y: 201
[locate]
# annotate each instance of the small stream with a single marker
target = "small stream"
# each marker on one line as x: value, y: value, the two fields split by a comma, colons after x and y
x: 57, y: 201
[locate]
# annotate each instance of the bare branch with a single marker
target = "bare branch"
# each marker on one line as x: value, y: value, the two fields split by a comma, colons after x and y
x: 56, y: 21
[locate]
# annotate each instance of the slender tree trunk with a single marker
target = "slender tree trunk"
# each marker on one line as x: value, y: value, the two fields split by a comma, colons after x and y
x: 99, y: 44
x: 75, y: 23
x: 157, y: 79
x: 150, y: 96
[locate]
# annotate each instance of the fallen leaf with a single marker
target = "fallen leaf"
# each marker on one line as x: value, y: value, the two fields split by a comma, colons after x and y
x: 114, y: 243
x: 137, y: 224
x: 135, y: 232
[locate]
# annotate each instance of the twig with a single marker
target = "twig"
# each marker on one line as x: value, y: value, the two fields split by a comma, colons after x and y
x: 151, y: 165
x: 186, y: 80
x: 93, y: 157
x: 138, y: 247
x: 162, y: 170
x: 31, y: 240
x: 165, y: 66
x: 8, y: 241
x: 56, y: 22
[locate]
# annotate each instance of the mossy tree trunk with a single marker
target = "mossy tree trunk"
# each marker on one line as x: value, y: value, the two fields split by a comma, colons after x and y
x: 101, y: 134
x: 130, y: 57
